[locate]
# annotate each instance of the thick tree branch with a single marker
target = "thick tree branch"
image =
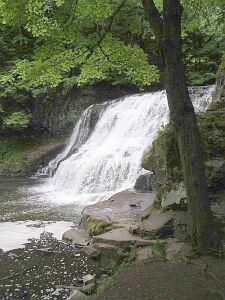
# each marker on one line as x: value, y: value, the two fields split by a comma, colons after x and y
x: 107, y: 28
x: 156, y: 22
x: 103, y: 35
x: 153, y: 16
x: 111, y: 19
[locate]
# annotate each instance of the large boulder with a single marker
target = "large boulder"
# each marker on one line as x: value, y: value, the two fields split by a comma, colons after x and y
x: 159, y: 224
x: 76, y: 236
x: 144, y: 181
x: 120, y: 210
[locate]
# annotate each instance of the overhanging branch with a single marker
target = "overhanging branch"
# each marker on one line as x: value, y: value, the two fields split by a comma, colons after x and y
x: 153, y: 16
x: 107, y: 28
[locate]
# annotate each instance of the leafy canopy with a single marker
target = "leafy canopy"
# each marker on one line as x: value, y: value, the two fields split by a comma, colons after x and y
x: 78, y: 35
x: 45, y: 44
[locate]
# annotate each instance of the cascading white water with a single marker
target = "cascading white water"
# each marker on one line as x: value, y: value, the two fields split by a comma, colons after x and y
x: 78, y: 137
x: 110, y: 158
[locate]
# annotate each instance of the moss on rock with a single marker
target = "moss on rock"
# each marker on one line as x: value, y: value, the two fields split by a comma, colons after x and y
x: 163, y: 158
x: 219, y: 92
x: 97, y: 226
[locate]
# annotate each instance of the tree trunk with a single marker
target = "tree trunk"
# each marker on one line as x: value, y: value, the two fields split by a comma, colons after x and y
x: 184, y: 120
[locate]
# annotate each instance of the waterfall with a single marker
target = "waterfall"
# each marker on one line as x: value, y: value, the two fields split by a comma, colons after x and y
x: 109, y: 158
x: 78, y: 137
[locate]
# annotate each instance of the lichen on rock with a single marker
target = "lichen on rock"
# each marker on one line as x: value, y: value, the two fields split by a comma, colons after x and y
x: 97, y: 226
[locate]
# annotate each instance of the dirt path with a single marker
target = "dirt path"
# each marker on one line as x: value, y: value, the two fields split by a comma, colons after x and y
x: 200, y: 280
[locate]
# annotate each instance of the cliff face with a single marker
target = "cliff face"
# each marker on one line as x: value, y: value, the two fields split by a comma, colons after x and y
x: 24, y: 157
x: 54, y: 117
x: 219, y: 93
x: 163, y: 157
x: 57, y: 114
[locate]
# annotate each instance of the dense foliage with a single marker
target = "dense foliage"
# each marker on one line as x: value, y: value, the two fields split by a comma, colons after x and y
x: 47, y: 44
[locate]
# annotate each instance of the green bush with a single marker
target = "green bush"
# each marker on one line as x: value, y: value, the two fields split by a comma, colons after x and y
x: 18, y: 120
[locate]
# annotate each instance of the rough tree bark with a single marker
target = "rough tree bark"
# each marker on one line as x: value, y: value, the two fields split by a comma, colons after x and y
x: 184, y: 121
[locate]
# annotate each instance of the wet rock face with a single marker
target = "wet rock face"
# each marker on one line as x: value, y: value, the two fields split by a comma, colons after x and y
x: 163, y: 159
x: 144, y: 181
x: 219, y: 92
x: 175, y: 199
x: 56, y: 114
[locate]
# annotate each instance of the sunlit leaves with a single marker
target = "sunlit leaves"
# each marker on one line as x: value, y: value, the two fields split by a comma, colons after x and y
x: 70, y: 31
x: 92, y: 11
x: 49, y: 71
x: 35, y: 15
x: 115, y: 59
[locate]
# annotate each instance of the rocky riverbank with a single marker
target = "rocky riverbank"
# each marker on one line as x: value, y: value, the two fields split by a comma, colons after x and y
x: 149, y: 225
x: 146, y: 227
x: 130, y: 232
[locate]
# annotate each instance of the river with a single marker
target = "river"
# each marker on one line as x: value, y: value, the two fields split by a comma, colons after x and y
x: 25, y: 212
x: 31, y: 222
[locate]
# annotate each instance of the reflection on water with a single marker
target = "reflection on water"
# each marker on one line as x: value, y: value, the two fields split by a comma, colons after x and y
x: 21, y: 205
x: 16, y: 234
x: 21, y: 200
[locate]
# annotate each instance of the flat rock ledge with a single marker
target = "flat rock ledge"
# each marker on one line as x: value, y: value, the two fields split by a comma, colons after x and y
x: 107, y: 224
x: 123, y: 209
x: 108, y: 228
x: 121, y: 238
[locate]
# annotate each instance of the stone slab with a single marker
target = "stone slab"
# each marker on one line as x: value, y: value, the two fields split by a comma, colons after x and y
x: 75, y: 236
x: 124, y: 208
x: 155, y: 222
x: 144, y: 254
x: 121, y: 238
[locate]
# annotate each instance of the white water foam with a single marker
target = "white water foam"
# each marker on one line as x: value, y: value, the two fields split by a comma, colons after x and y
x: 110, y: 158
